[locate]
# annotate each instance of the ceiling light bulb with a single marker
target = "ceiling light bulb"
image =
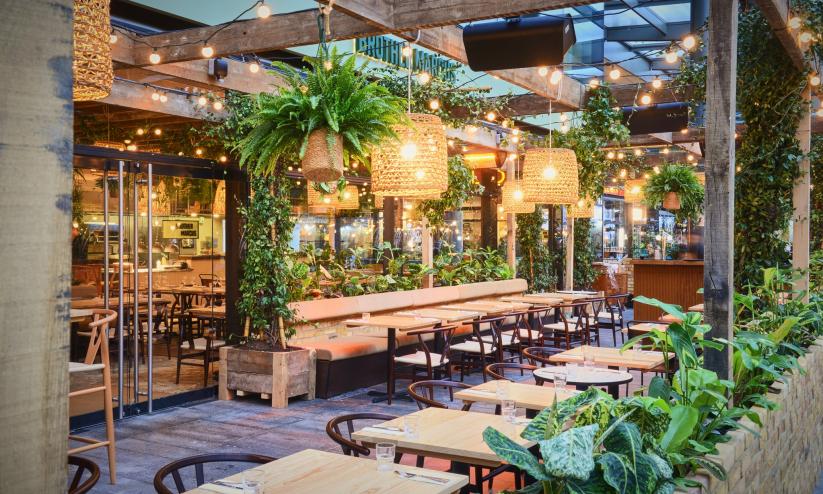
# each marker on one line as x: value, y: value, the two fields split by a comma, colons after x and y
x: 406, y: 51
x: 556, y: 76
x: 549, y: 173
x: 614, y: 180
x: 491, y: 116
x: 689, y: 42
x: 254, y: 67
x: 517, y: 195
x: 154, y: 58
x: 218, y: 105
x: 163, y: 98
x: 543, y: 71
x: 646, y: 99
x: 670, y: 57
x: 621, y: 155
x: 434, y: 104
x: 795, y: 23
x: 113, y: 37
x: 263, y: 10
x: 424, y: 78
x: 657, y: 83
x: 198, y: 152
x: 610, y: 155
x: 140, y: 132
x: 814, y: 79
x: 202, y: 101
x: 623, y: 173
x: 157, y: 132
x: 408, y: 151
x: 594, y: 83
x: 223, y: 159
x: 207, y: 51
x: 635, y: 189
x: 690, y: 158
x: 665, y: 151
x: 805, y: 37
x: 614, y: 74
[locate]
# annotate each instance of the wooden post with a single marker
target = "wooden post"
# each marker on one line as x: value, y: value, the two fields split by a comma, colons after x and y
x: 428, y: 253
x: 511, y: 225
x: 35, y: 256
x: 237, y: 194
x: 488, y: 208
x: 718, y: 273
x: 801, y: 198
x: 569, y: 280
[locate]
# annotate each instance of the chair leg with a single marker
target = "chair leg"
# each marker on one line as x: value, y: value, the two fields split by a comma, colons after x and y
x: 109, y: 414
x: 206, y: 365
x: 390, y: 385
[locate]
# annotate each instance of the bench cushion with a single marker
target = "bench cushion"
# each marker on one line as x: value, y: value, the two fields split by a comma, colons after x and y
x: 346, y: 347
x: 505, y: 287
x: 477, y: 290
x: 327, y: 308
x: 432, y: 296
x: 382, y: 302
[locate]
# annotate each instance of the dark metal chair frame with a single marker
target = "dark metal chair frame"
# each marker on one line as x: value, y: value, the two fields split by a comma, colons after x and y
x: 83, y: 465
x: 418, y: 390
x: 198, y: 461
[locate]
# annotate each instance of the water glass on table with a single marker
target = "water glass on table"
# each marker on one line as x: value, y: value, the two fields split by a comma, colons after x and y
x: 508, y: 409
x: 588, y: 357
x: 560, y: 378
x: 502, y: 388
x: 411, y: 426
x: 385, y: 457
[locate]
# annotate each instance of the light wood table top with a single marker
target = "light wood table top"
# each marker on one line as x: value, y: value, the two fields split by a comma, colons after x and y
x: 218, y: 312
x: 99, y: 303
x: 448, y: 434
x: 529, y: 396
x: 533, y: 299
x: 587, y: 376
x: 632, y: 359
x: 696, y: 308
x: 445, y: 316
x: 311, y: 471
x: 488, y: 307
x: 645, y: 327
x: 393, y: 322
x: 192, y: 290
x: 565, y: 297
x: 78, y: 315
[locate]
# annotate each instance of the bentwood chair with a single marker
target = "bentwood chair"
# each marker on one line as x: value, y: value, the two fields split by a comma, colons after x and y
x: 195, y: 344
x: 512, y: 340
x: 424, y: 359
x: 498, y: 370
x: 612, y: 315
x: 98, y: 348
x: 176, y: 467
x: 350, y: 446
x: 572, y: 328
x: 539, y: 356
x: 477, y: 352
x: 83, y: 465
x: 423, y: 393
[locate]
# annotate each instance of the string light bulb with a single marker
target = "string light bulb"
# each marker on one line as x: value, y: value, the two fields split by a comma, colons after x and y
x: 684, y: 131
x: 202, y: 101
x: 254, y: 67
x: 207, y: 51
x: 638, y: 152
x: 223, y: 159
x: 450, y: 143
x: 690, y: 158
x: 198, y: 152
x: 646, y: 99
x: 805, y: 37
x: 434, y: 104
x: 610, y: 155
x: 814, y: 80
x: 795, y: 23
x: 665, y: 151
x: 543, y: 71
x: 424, y: 78
x: 154, y: 58
x: 689, y: 42
x: 623, y: 173
x: 670, y: 57
x: 408, y: 151
x: 218, y: 105
x: 406, y: 51
x: 491, y: 116
x: 594, y: 83
x: 657, y: 83
x: 621, y: 155
x: 614, y: 74
x: 158, y: 131
x: 263, y: 10
x: 556, y: 76
x: 140, y: 131
x: 163, y: 98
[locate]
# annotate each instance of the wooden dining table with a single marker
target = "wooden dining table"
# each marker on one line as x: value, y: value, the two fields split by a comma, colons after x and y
x: 390, y: 324
x: 99, y: 303
x: 566, y: 297
x: 487, y: 307
x: 583, y: 378
x: 533, y: 300
x: 645, y: 327
x: 528, y: 396
x: 613, y: 357
x: 311, y: 471
x: 445, y: 316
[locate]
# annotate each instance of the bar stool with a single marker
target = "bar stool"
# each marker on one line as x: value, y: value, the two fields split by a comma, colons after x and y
x: 98, y: 345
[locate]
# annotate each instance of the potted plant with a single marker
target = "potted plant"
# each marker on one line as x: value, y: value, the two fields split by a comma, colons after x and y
x: 677, y: 189
x: 264, y: 362
x: 322, y: 118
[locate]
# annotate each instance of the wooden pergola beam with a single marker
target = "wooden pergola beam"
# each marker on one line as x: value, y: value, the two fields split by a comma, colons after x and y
x: 132, y: 95
x: 777, y: 14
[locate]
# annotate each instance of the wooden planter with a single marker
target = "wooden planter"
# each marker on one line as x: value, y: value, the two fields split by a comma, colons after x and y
x: 275, y: 375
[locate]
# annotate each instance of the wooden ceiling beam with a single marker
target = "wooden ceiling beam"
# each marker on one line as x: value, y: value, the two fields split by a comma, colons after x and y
x: 777, y: 13
x: 417, y: 14
x: 138, y: 97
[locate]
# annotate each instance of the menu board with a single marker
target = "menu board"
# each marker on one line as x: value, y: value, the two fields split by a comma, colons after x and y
x: 181, y: 229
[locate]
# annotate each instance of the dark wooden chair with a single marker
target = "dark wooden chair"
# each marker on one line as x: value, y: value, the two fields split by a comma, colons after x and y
x: 498, y: 370
x: 83, y: 465
x: 195, y: 344
x: 612, y: 315
x: 351, y: 447
x: 477, y: 352
x: 174, y: 468
x: 425, y: 359
x: 596, y: 306
x: 570, y: 329
x: 422, y: 392
x: 539, y: 356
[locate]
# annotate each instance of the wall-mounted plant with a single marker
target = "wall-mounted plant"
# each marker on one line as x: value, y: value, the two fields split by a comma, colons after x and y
x: 677, y: 189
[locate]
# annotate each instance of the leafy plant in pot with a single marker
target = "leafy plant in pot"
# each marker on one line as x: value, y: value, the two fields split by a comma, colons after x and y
x: 677, y: 189
x: 324, y: 118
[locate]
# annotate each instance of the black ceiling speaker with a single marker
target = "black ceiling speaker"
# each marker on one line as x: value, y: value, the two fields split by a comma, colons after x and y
x: 518, y: 42
x: 665, y: 117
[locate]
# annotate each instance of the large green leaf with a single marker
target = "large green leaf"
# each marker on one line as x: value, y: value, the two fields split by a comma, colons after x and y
x: 624, y: 439
x: 672, y: 309
x: 546, y: 424
x: 592, y: 485
x: 514, y: 454
x: 618, y: 472
x: 711, y: 466
x: 570, y: 453
x: 681, y: 426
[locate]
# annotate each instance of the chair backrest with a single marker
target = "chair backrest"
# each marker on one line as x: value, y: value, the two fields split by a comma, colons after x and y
x: 539, y: 355
x: 349, y: 446
x: 521, y: 321
x: 618, y: 300
x: 579, y: 308
x: 495, y: 324
x: 208, y: 279
x: 83, y: 465
x: 174, y: 468
x: 423, y: 393
x: 99, y: 335
x: 444, y: 332
x: 497, y: 370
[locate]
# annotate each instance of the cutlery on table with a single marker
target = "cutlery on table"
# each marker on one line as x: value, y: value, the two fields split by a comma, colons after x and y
x: 421, y: 478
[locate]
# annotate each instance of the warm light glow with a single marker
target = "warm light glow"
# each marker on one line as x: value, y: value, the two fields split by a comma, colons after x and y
x: 623, y: 173
x: 515, y: 139
x: 516, y: 132
x: 638, y: 152
x: 218, y: 105
x: 202, y: 101
x: 563, y: 117
x: 646, y: 176
x: 491, y: 116
x: 419, y: 174
x: 327, y: 200
x: 198, y: 152
x: 131, y: 147
x: 157, y: 132
x: 795, y: 23
x: 621, y: 155
x: 556, y: 76
x: 471, y: 129
x: 690, y: 158
x: 549, y: 173
x: 656, y: 170
x: 670, y: 57
x: 424, y: 78
x: 657, y: 83
x: 406, y: 51
x: 450, y: 142
x: 408, y: 150
x: 614, y: 74
x: 207, y: 51
x: 140, y: 132
x: 738, y: 168
x: 665, y: 151
x: 814, y: 79
x: 689, y: 42
x: 684, y: 131
x: 263, y: 10
x: 155, y: 96
x: 805, y: 37
x: 254, y: 67
x: 481, y: 160
x: 223, y: 159
x: 154, y: 58
x: 163, y: 98
x: 517, y: 195
x: 434, y: 104
x: 610, y: 155
x: 543, y: 71
x: 593, y: 83
x: 646, y: 99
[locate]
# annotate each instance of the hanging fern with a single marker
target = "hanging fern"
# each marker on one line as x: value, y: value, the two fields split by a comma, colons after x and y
x: 681, y: 180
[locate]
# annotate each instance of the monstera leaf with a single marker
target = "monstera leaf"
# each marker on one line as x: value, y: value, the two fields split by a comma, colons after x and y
x: 569, y: 454
x: 514, y: 454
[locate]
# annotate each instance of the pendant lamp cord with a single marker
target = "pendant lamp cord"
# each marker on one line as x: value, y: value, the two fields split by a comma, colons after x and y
x: 324, y: 26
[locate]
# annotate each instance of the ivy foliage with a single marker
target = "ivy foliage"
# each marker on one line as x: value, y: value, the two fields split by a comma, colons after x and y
x: 536, y: 264
x: 462, y: 184
x: 584, y: 272
x: 680, y: 179
x: 816, y: 158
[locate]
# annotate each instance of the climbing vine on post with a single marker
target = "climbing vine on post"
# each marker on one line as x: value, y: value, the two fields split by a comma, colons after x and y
x: 536, y: 264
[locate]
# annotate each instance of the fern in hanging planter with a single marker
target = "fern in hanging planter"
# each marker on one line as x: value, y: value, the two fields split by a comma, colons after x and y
x: 324, y: 119
x: 677, y: 189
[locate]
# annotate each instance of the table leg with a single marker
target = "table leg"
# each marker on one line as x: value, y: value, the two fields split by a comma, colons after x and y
x: 389, y: 395
x: 464, y: 469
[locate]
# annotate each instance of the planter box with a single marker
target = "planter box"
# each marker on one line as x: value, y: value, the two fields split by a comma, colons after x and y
x: 278, y: 375
x: 786, y: 455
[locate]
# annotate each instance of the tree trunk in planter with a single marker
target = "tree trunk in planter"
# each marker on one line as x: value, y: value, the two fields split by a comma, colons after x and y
x: 671, y: 201
x: 323, y: 163
x: 279, y: 375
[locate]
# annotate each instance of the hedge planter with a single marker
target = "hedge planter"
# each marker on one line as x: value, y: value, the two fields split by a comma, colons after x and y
x: 275, y: 375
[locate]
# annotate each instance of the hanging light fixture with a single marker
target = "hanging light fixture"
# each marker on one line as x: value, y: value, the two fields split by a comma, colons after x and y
x: 348, y: 199
x: 91, y: 65
x: 634, y: 191
x: 513, y: 198
x: 550, y: 176
x: 583, y: 208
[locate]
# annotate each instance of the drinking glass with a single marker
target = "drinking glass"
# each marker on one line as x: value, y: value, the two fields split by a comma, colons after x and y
x: 571, y: 370
x: 411, y: 426
x: 560, y: 380
x: 508, y: 408
x: 502, y: 388
x: 588, y: 357
x: 252, y: 487
x: 385, y: 457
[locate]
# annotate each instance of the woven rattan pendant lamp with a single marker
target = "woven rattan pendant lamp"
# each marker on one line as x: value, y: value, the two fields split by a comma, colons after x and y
x: 317, y: 200
x: 550, y: 174
x: 415, y: 165
x: 91, y: 65
x: 513, y: 198
x: 583, y: 208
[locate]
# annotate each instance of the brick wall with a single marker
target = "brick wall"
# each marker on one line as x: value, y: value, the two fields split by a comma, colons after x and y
x: 788, y: 454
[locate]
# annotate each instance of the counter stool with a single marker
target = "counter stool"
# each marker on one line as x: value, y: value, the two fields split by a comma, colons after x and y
x: 98, y: 345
